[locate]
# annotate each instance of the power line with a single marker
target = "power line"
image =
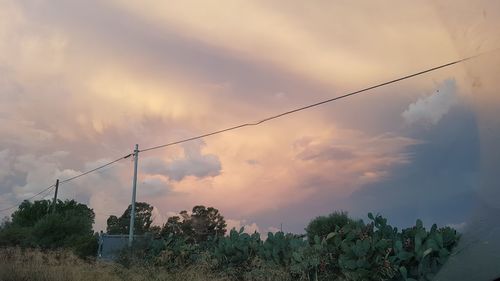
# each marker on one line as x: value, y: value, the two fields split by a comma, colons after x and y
x: 315, y: 104
x: 13, y: 206
x: 68, y: 180
x: 95, y: 169
x: 263, y: 120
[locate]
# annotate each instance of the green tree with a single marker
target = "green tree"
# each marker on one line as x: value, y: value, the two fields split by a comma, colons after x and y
x: 71, y: 222
x: 207, y: 222
x: 29, y: 213
x: 14, y: 235
x: 323, y: 225
x: 197, y: 226
x: 173, y: 226
x: 114, y: 225
x: 142, y: 224
x: 62, y: 229
x: 35, y: 224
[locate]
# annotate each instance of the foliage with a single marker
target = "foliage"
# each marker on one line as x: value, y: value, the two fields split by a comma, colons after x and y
x: 14, y: 235
x: 353, y: 250
x: 69, y: 226
x: 61, y: 229
x: 172, y: 253
x: 335, y: 247
x: 142, y: 223
x: 173, y: 227
x: 423, y: 252
x: 86, y: 246
x: 323, y: 225
x: 29, y: 213
x: 236, y: 252
x: 35, y: 265
x: 378, y: 251
x: 198, y: 227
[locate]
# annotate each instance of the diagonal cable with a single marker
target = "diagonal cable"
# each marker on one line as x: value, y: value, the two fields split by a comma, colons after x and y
x: 29, y: 198
x: 319, y: 103
x: 95, y: 169
x: 68, y: 180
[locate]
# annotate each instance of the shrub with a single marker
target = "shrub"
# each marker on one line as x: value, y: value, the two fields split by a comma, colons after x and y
x: 323, y: 225
x: 85, y: 247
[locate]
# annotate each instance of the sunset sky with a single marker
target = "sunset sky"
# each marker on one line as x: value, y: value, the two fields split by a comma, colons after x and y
x: 81, y: 82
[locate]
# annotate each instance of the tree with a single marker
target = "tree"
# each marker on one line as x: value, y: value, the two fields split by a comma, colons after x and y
x: 14, y: 235
x: 198, y: 226
x: 34, y: 224
x: 114, y: 226
x: 142, y: 224
x: 62, y: 229
x: 70, y: 221
x: 323, y: 225
x: 29, y: 213
x: 173, y: 226
x: 207, y: 222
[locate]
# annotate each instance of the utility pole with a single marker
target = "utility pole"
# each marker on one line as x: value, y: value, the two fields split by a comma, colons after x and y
x: 132, y: 209
x: 55, y: 197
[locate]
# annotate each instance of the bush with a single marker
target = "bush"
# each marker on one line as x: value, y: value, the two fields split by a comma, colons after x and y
x: 378, y: 251
x: 85, y: 247
x: 336, y: 247
x: 353, y: 250
x: 16, y: 235
x: 322, y: 226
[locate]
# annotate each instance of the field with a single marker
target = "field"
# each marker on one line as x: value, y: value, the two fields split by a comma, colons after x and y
x: 36, y: 265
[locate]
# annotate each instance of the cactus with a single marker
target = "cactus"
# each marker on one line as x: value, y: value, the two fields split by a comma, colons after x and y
x: 354, y: 251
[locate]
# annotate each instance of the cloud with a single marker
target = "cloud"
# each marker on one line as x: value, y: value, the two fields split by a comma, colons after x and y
x: 277, y: 33
x: 159, y: 218
x: 439, y: 183
x: 27, y: 174
x: 458, y: 226
x: 249, y: 228
x: 252, y: 162
x: 5, y: 169
x: 325, y: 152
x: 273, y: 229
x: 432, y: 108
x: 155, y: 186
x: 74, y: 85
x: 193, y: 163
x: 355, y: 155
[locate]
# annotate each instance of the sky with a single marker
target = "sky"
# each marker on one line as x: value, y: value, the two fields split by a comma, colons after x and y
x: 82, y: 82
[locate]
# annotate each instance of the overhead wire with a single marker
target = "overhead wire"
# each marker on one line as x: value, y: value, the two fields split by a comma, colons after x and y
x: 13, y: 206
x: 262, y: 120
x: 68, y: 180
x: 314, y: 104
x: 95, y: 169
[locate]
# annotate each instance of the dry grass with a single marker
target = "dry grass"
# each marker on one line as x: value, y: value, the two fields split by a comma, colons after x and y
x: 35, y: 265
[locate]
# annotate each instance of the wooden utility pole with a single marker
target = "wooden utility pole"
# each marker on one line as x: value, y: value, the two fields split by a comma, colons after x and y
x: 55, y: 197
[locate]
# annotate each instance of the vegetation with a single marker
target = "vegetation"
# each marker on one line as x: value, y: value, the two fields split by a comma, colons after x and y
x: 143, y: 220
x: 199, y: 226
x: 335, y: 247
x: 38, y: 225
x: 34, y: 265
x: 324, y: 225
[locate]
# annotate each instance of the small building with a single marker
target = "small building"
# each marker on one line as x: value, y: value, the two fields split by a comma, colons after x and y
x: 111, y: 245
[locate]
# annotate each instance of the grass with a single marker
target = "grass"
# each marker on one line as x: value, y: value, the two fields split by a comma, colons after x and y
x: 36, y: 265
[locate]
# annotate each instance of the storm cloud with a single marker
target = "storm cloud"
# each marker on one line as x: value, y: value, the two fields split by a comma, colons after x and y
x: 81, y: 83
x: 193, y: 163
